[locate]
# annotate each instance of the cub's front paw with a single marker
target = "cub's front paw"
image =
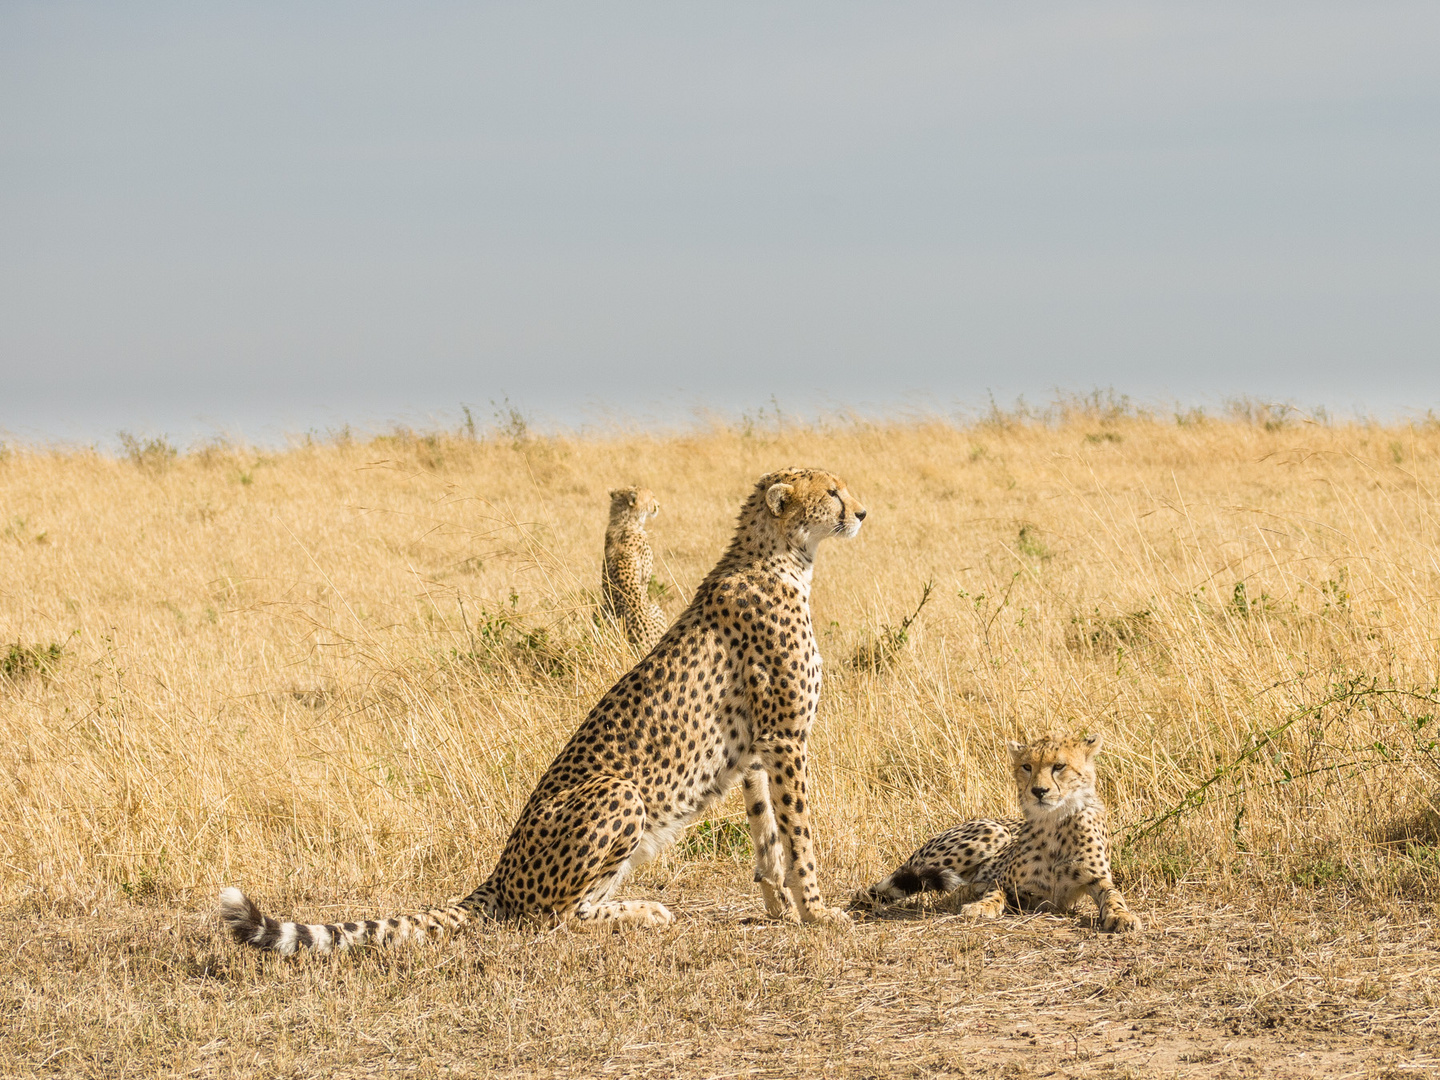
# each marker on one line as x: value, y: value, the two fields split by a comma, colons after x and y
x: 1121, y: 922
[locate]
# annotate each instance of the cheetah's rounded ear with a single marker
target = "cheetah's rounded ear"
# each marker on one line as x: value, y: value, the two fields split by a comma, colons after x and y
x: 776, y: 496
x: 1015, y: 748
x: 1092, y: 744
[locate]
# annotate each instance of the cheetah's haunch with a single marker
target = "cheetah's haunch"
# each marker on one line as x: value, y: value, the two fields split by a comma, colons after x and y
x: 729, y: 693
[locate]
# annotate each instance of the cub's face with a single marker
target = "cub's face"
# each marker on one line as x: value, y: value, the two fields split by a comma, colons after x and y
x: 1053, y: 775
x: 633, y: 502
x: 810, y: 504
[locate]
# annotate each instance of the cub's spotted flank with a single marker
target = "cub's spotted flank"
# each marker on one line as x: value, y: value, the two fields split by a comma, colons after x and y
x: 1046, y: 860
x: 728, y: 694
x: 629, y: 565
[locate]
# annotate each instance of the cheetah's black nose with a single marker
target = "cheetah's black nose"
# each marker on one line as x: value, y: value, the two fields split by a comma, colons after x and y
x: 1039, y: 792
x: 860, y: 515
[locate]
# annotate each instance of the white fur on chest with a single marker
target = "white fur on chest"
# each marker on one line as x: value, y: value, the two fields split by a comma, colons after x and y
x: 1051, y: 882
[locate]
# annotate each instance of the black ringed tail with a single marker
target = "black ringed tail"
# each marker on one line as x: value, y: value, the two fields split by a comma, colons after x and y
x: 250, y: 926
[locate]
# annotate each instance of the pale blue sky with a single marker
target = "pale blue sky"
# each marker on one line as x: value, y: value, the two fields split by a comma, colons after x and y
x: 263, y: 217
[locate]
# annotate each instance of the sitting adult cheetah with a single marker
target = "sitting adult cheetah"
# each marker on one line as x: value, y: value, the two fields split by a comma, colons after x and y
x: 628, y: 566
x: 1048, y: 859
x: 729, y: 692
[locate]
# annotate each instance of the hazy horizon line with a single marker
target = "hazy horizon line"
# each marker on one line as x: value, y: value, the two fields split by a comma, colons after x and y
x: 506, y: 419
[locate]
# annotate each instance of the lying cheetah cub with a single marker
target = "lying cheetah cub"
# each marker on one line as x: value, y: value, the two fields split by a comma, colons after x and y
x: 1046, y: 860
x: 628, y: 566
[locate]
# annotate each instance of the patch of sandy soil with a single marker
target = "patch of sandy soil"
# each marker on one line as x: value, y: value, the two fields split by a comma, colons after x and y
x: 1300, y: 985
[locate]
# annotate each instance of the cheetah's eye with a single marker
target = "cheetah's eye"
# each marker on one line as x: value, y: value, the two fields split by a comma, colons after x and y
x: 1059, y: 768
x: 1025, y: 767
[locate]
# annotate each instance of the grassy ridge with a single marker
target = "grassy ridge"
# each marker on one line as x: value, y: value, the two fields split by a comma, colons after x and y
x: 336, y: 670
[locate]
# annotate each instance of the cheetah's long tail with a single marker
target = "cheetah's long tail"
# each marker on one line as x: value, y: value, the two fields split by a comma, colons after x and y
x: 248, y: 925
x: 906, y: 882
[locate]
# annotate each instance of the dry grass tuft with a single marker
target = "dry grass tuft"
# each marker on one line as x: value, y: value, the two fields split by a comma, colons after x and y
x: 331, y: 675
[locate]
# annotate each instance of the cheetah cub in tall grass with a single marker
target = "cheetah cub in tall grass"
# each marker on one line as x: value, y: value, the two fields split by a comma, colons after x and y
x: 629, y: 564
x: 1045, y: 861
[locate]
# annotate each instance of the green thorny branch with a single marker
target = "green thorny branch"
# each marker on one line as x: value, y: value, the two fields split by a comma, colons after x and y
x: 877, y: 653
x: 1350, y: 692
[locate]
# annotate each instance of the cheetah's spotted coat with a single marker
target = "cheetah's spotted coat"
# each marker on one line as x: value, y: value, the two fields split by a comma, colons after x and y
x: 629, y: 564
x: 729, y: 693
x: 1057, y: 853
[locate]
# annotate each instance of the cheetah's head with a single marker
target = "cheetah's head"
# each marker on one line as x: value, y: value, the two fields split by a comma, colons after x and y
x: 808, y: 505
x: 633, y: 504
x: 1055, y: 775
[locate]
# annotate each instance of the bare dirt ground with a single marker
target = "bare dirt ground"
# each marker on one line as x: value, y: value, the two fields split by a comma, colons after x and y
x: 1282, y: 984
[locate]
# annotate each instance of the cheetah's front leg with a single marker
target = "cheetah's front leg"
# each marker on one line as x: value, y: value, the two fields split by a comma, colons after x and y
x: 765, y: 838
x: 1115, y: 915
x: 784, y: 763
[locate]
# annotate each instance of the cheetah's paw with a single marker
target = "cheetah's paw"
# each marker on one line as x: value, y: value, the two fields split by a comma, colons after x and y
x: 1121, y: 922
x: 828, y: 916
x: 778, y: 904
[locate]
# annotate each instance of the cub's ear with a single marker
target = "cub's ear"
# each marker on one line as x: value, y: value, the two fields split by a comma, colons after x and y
x: 1092, y: 744
x: 654, y: 507
x: 776, y: 496
x: 615, y: 493
x: 1016, y: 749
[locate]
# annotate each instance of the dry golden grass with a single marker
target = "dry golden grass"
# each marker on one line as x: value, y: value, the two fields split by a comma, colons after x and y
x: 331, y: 674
